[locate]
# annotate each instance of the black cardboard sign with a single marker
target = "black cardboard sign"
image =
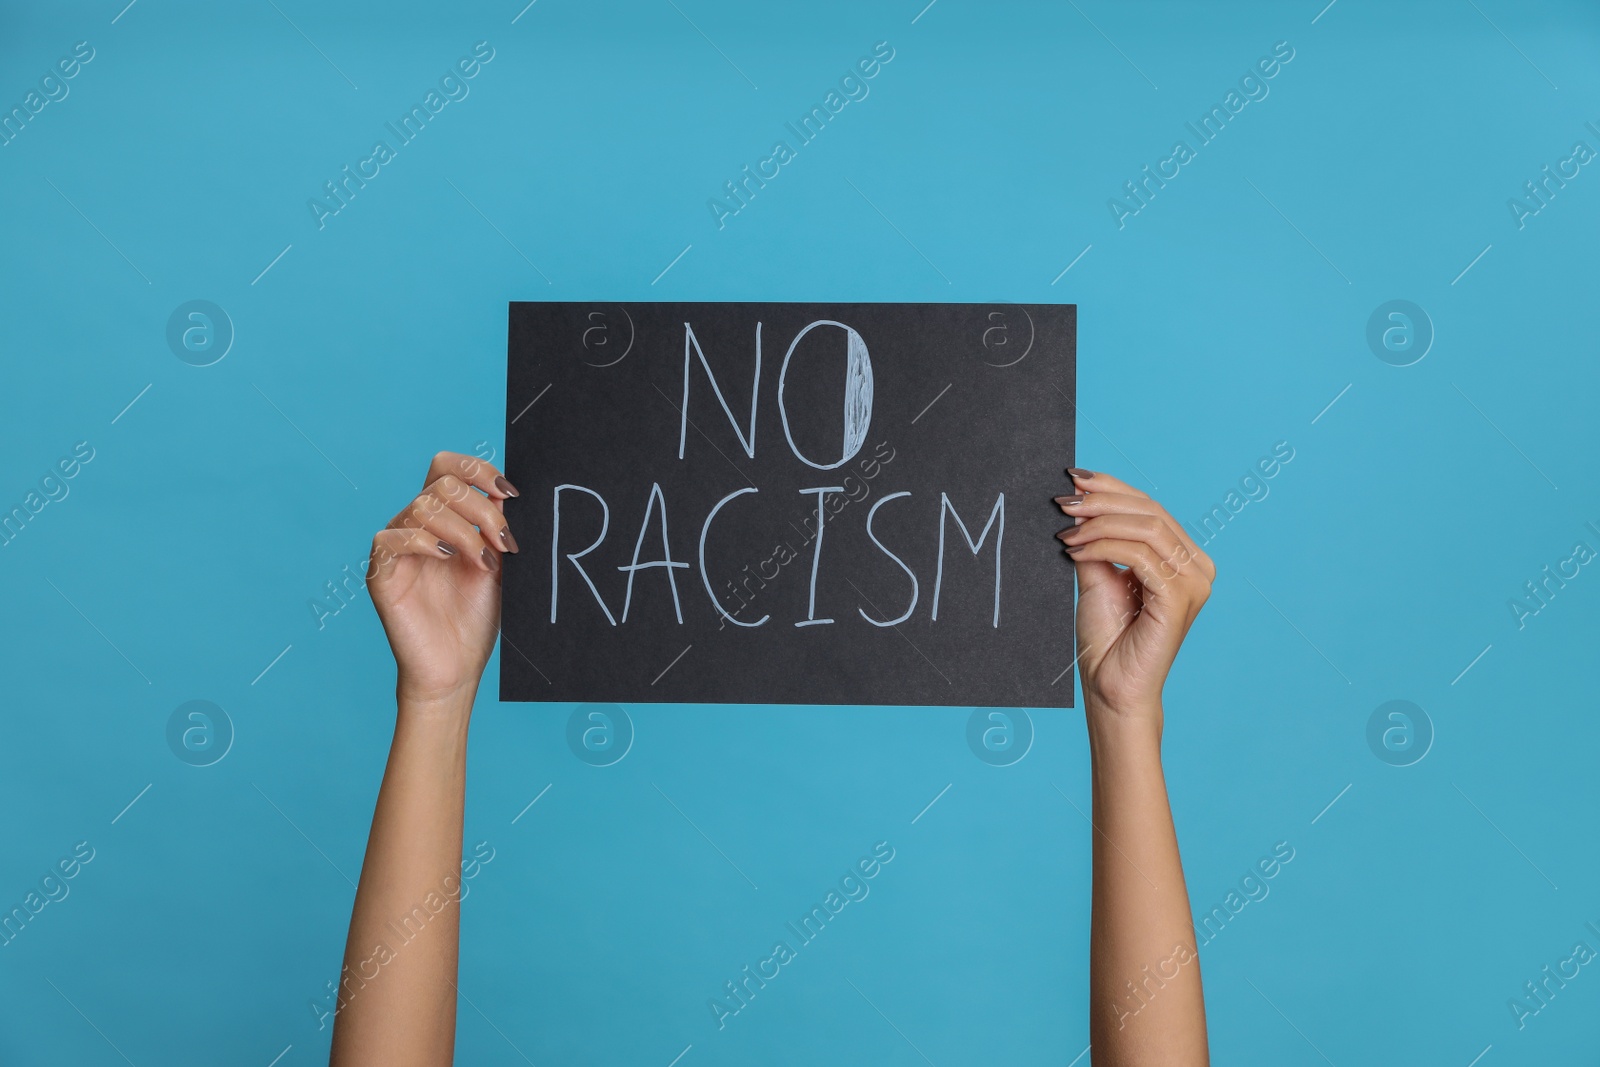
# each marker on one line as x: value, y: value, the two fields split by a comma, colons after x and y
x: 789, y: 503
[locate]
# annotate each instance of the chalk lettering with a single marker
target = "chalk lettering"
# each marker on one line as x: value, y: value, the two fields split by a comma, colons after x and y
x: 909, y: 572
x: 574, y: 557
x: 705, y: 575
x: 822, y: 492
x: 748, y: 443
x: 666, y: 550
x: 999, y: 511
x: 857, y: 395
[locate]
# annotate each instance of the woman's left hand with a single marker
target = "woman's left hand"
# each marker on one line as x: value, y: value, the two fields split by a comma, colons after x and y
x: 1130, y: 622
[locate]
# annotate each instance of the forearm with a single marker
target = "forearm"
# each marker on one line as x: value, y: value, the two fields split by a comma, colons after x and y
x: 397, y: 995
x: 1146, y: 1005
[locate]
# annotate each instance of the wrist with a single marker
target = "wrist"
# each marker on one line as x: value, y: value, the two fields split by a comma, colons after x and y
x: 1133, y: 729
x: 451, y: 706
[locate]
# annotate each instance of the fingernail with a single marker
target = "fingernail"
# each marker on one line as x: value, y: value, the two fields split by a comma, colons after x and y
x: 505, y: 487
x: 1077, y: 548
x: 447, y: 548
x: 1079, y: 472
x: 491, y: 559
x: 1069, y: 501
x: 507, y: 540
x: 1062, y: 535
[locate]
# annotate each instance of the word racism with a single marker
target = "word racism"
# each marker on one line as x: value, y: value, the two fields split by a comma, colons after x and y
x: 743, y: 190
x: 452, y: 88
x: 1538, y: 995
x: 1541, y: 594
x: 783, y: 553
x: 1141, y: 191
x: 53, y: 85
x: 53, y: 888
x: 858, y: 402
x: 452, y: 891
x: 1538, y: 195
x: 853, y: 888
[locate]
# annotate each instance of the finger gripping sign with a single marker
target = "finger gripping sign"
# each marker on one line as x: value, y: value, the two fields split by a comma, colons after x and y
x: 789, y: 503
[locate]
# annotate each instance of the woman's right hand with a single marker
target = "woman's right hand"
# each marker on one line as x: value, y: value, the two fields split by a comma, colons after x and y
x: 434, y: 577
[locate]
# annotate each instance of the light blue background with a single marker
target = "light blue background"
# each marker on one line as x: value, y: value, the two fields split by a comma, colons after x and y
x: 1211, y: 327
